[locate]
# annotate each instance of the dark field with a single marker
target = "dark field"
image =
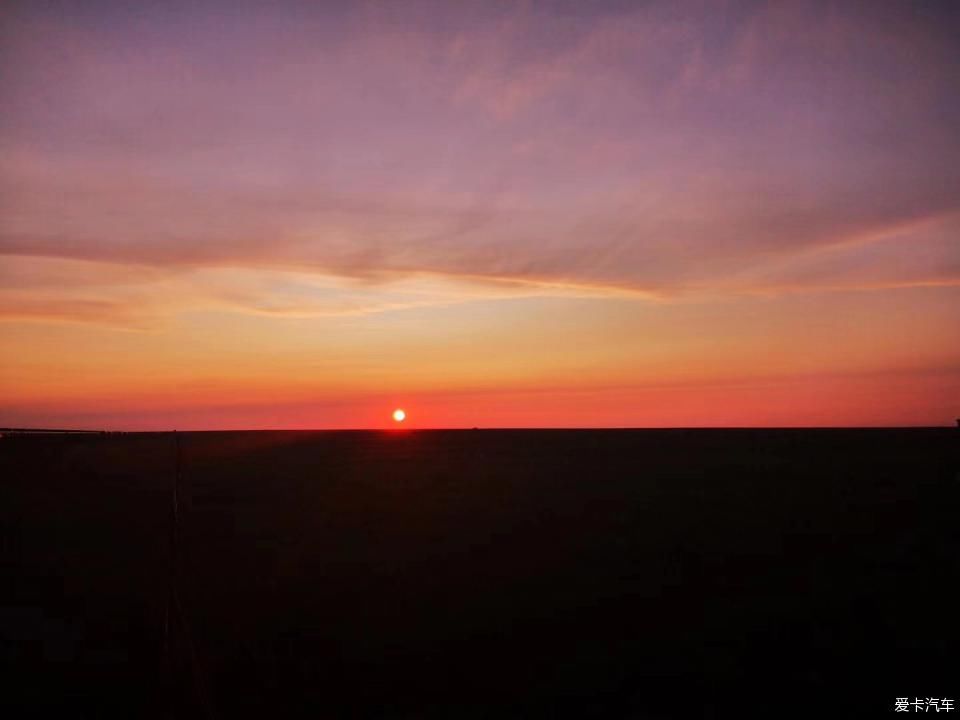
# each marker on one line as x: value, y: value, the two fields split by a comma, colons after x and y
x: 609, y: 574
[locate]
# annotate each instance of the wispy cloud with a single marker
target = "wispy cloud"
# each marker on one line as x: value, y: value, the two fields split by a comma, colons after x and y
x: 662, y: 151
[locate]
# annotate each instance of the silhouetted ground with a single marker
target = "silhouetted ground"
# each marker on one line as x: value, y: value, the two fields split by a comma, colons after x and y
x: 608, y: 574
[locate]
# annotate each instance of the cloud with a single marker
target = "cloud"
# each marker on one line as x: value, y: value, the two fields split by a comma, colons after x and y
x: 145, y: 298
x: 660, y: 151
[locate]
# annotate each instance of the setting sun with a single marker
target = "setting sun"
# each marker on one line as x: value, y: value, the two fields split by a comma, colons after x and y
x: 399, y: 415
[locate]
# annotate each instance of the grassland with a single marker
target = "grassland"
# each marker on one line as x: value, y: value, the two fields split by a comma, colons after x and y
x: 609, y: 574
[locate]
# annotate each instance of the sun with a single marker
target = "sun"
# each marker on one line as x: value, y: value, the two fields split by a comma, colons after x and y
x: 399, y: 415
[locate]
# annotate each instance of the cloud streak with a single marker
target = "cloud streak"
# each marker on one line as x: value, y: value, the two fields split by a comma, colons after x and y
x: 661, y: 150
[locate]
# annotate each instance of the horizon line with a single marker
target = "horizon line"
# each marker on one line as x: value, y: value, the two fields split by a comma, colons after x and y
x: 407, y: 430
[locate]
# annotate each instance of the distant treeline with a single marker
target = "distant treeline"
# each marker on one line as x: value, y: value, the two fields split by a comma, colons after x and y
x: 50, y: 431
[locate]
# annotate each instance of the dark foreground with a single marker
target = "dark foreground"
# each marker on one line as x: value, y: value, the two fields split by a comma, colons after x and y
x: 608, y: 574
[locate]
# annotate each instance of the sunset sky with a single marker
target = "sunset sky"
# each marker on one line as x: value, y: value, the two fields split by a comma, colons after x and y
x: 558, y: 214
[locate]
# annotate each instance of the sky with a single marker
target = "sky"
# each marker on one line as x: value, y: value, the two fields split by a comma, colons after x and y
x: 492, y: 214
